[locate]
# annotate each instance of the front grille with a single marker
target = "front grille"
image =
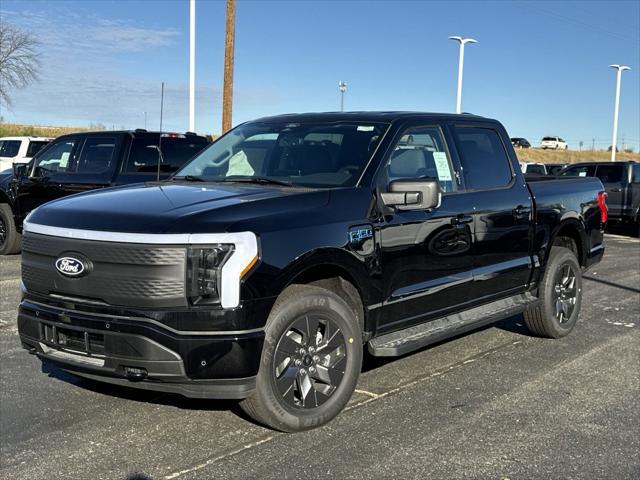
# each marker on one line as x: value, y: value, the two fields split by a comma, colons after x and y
x: 121, y: 274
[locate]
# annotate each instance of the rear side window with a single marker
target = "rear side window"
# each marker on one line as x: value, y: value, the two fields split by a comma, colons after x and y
x: 144, y: 157
x: 609, y: 173
x: 420, y: 153
x: 9, y: 148
x: 485, y: 164
x: 579, y: 171
x: 97, y: 155
x: 35, y: 147
x: 536, y: 169
x: 635, y: 173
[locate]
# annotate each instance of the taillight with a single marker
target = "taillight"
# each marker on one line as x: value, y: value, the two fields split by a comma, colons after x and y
x: 602, y: 203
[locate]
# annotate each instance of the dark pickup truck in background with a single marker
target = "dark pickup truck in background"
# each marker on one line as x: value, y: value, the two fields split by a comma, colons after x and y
x: 85, y: 161
x: 265, y: 266
x: 621, y: 181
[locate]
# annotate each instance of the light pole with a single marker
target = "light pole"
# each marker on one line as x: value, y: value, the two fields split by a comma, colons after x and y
x: 342, y: 86
x: 462, y: 41
x: 192, y: 66
x: 614, y: 141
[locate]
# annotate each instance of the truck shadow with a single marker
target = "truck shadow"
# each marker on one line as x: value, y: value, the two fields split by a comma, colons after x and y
x: 622, y: 228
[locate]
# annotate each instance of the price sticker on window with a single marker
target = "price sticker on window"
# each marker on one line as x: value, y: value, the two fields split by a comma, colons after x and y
x: 442, y: 166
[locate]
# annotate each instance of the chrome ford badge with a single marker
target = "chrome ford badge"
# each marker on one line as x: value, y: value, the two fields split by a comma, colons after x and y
x: 70, y: 267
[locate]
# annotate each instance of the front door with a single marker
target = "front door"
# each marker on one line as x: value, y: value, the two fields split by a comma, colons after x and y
x: 425, y: 255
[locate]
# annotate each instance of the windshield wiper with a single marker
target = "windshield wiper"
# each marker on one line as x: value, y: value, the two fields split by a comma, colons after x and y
x: 188, y: 178
x: 261, y: 180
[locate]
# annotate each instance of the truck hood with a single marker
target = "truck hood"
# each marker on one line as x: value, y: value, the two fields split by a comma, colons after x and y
x: 174, y: 207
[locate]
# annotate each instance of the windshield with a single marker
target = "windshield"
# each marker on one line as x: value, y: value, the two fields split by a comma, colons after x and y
x: 319, y: 155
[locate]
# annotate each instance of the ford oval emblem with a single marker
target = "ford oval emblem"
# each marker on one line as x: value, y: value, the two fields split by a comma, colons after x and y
x: 70, y: 267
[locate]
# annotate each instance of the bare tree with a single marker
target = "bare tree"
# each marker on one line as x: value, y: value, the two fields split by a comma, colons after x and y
x: 19, y: 62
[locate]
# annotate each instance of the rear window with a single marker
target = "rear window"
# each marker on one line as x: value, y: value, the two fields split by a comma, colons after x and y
x: 536, y: 169
x: 35, y: 147
x: 549, y: 139
x: 609, y: 173
x: 9, y: 148
x: 579, y: 171
x: 143, y: 156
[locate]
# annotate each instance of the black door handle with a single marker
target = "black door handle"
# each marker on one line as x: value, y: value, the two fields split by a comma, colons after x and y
x: 616, y: 190
x: 521, y: 211
x: 461, y: 219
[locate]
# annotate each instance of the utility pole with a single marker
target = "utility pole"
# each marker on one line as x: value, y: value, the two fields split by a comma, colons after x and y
x: 462, y: 41
x: 593, y: 144
x: 342, y: 86
x: 145, y: 120
x: 192, y: 65
x: 161, y: 104
x: 229, y: 43
x: 614, y: 141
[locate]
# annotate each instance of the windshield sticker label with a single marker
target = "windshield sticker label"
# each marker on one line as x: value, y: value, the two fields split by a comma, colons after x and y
x: 582, y: 174
x: 442, y: 166
x: 239, y: 165
x: 365, y: 128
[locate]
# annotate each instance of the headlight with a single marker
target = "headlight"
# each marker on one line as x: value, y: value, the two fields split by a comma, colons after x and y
x: 204, y: 273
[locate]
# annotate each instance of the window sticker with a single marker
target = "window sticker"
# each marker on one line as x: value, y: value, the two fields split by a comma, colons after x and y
x: 442, y: 166
x: 582, y: 174
x: 365, y: 128
x: 239, y: 165
x: 64, y: 160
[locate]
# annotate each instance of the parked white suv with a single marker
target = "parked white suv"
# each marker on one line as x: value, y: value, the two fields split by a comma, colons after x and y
x: 555, y: 143
x: 19, y: 149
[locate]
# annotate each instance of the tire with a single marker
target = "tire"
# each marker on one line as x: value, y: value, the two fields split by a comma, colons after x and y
x: 10, y: 239
x: 289, y: 384
x: 555, y: 315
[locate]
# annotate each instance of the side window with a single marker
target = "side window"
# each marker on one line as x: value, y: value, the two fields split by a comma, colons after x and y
x: 56, y: 158
x: 10, y: 148
x: 421, y: 153
x: 635, y: 173
x: 97, y: 155
x: 143, y: 156
x: 485, y: 164
x: 35, y: 147
x: 609, y: 173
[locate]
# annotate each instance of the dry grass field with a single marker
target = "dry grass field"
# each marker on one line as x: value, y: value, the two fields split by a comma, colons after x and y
x: 18, y: 130
x: 570, y: 156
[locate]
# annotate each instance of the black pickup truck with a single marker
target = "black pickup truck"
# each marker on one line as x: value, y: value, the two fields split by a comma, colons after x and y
x: 265, y: 266
x: 86, y: 161
x: 621, y: 181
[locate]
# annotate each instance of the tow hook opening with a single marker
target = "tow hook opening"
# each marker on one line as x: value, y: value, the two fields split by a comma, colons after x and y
x: 135, y: 374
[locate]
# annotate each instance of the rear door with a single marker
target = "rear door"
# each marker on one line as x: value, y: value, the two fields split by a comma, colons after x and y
x: 615, y: 179
x: 502, y: 211
x: 425, y: 254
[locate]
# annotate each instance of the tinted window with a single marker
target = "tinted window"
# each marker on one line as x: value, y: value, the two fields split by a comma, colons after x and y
x: 35, y: 147
x: 143, y: 156
x: 579, y: 171
x: 537, y: 169
x: 97, y: 155
x: 421, y: 153
x: 9, y: 148
x: 609, y: 173
x: 635, y: 173
x: 56, y: 158
x: 484, y: 160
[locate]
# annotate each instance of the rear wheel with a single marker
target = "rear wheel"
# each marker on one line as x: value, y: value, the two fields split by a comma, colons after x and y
x: 10, y: 239
x: 556, y: 313
x: 311, y: 360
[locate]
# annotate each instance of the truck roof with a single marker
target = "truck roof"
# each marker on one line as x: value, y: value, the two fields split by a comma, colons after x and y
x: 374, y: 116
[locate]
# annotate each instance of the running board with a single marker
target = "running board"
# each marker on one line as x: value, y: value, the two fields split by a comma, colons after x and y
x: 404, y: 341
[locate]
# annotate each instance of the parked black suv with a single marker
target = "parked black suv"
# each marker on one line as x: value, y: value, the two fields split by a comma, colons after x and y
x: 86, y: 161
x: 519, y: 142
x: 622, y: 183
x: 265, y: 266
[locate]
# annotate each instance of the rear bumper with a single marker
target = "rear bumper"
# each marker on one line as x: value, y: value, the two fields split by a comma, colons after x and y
x: 141, y: 353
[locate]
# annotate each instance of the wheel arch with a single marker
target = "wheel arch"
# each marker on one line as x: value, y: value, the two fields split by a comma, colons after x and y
x: 571, y: 233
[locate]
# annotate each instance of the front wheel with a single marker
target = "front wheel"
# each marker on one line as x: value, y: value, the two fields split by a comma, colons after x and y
x: 311, y: 360
x: 556, y: 313
x: 10, y: 239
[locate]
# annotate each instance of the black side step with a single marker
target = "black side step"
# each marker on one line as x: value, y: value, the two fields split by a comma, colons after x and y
x: 404, y: 341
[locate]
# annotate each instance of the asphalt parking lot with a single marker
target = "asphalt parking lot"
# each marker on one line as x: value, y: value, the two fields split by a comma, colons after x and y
x: 495, y: 404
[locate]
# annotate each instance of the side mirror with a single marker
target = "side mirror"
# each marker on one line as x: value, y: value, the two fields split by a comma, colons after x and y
x: 413, y: 194
x: 20, y: 170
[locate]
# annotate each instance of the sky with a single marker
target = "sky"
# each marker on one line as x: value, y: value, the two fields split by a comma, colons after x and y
x: 539, y: 67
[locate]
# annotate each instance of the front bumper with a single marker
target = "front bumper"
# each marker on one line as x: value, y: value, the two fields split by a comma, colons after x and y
x: 142, y: 353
